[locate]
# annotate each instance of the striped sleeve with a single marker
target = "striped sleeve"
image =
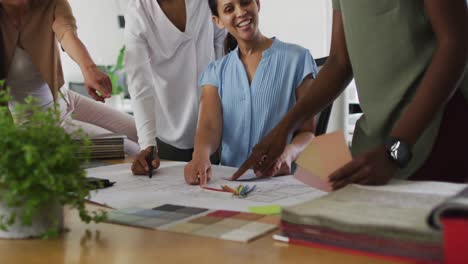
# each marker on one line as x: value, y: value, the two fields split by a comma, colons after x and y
x: 209, y: 76
x: 307, y: 67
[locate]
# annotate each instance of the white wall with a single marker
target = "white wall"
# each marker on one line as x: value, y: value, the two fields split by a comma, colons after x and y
x: 304, y: 22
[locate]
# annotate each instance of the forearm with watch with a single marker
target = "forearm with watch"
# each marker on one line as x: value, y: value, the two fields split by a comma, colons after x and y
x: 436, y: 88
x: 441, y: 79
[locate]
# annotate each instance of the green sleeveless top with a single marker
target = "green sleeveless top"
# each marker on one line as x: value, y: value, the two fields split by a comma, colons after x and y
x: 390, y: 44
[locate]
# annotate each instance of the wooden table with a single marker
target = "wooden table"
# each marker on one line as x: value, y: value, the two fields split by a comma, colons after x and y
x: 110, y: 243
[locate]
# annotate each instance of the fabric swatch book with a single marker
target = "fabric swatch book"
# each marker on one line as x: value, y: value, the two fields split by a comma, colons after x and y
x: 105, y: 146
x: 219, y: 224
x: 452, y: 217
x: 386, y: 221
x: 454, y: 207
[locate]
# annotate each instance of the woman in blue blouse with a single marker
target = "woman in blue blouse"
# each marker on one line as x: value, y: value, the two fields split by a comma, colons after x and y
x: 247, y: 92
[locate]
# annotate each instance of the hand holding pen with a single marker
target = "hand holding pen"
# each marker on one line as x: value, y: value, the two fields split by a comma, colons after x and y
x: 146, y: 161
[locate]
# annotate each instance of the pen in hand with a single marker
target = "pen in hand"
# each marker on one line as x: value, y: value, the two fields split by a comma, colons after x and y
x: 150, y: 162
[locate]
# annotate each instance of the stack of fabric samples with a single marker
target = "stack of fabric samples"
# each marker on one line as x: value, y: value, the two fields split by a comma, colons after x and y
x: 452, y: 217
x: 105, y: 146
x: 220, y: 224
x: 368, y: 220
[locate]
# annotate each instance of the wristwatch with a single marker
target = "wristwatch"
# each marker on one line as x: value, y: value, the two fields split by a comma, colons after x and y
x: 398, y: 151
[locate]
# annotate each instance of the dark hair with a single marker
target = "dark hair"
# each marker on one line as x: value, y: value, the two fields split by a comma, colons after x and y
x: 230, y: 42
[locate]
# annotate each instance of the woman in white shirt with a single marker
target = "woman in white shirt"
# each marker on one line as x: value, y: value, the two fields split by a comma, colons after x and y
x: 168, y: 45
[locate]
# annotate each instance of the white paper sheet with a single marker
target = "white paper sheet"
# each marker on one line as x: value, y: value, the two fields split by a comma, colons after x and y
x: 168, y: 186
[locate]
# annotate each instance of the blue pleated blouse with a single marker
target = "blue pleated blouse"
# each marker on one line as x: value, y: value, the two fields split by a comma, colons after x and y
x: 251, y: 111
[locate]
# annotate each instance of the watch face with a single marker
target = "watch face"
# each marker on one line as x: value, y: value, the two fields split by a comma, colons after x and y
x: 394, y: 150
x: 399, y: 152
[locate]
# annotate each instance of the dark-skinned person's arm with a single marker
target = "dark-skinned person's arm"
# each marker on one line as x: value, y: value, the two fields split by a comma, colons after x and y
x: 449, y: 21
x: 331, y: 81
x: 207, y: 137
x: 301, y: 138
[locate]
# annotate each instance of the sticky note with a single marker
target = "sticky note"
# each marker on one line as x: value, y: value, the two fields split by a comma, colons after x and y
x: 266, y: 210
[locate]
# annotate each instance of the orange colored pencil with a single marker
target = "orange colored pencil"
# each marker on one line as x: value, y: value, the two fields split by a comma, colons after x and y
x: 229, y: 189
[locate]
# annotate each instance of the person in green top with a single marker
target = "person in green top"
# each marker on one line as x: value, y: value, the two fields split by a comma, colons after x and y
x: 409, y: 60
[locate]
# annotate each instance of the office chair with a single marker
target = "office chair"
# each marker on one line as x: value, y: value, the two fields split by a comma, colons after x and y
x: 324, y: 117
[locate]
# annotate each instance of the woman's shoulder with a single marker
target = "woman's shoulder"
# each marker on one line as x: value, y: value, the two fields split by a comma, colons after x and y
x: 215, y: 70
x: 225, y: 61
x: 291, y: 48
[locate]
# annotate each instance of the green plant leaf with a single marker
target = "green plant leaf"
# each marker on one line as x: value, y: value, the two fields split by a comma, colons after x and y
x: 114, y: 72
x: 120, y: 58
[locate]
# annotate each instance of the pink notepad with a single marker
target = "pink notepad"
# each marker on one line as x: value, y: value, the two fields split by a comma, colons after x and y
x: 324, y: 155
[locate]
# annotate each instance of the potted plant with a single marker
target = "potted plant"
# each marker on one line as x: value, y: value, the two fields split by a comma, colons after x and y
x: 115, y: 73
x: 39, y: 172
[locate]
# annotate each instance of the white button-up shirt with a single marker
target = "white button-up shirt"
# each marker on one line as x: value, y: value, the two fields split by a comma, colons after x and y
x: 163, y: 65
